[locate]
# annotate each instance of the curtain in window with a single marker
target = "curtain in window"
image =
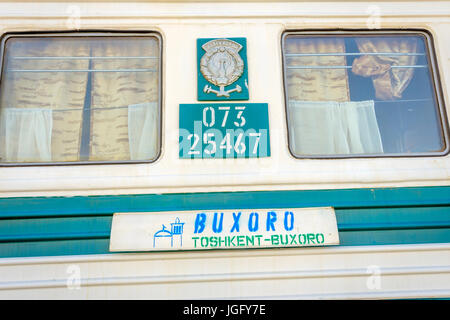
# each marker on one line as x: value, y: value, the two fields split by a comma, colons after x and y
x: 113, y: 92
x: 26, y: 134
x: 142, y: 130
x: 317, y: 84
x: 389, y: 82
x: 56, y: 91
x: 323, y: 121
x: 328, y: 128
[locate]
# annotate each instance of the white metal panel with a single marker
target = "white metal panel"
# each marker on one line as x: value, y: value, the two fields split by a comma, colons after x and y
x: 397, y: 271
x: 180, y: 24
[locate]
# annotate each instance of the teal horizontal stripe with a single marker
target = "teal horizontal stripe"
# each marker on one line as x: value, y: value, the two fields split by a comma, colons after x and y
x: 100, y: 226
x: 347, y: 198
x: 45, y: 226
x: 101, y: 246
x: 55, y: 236
x: 14, y: 215
x: 384, y: 237
x: 55, y: 228
x: 393, y: 218
x: 390, y: 226
x: 54, y: 248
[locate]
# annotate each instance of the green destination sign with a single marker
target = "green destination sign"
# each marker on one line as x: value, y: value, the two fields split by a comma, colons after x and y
x: 228, y: 130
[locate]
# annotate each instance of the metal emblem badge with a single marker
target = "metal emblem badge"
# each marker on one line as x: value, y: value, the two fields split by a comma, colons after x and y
x: 222, y: 69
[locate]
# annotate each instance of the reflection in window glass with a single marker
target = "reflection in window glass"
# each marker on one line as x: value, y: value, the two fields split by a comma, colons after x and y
x: 79, y: 99
x: 360, y: 95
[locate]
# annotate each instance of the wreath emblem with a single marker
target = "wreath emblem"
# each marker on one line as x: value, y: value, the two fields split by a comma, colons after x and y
x: 221, y: 65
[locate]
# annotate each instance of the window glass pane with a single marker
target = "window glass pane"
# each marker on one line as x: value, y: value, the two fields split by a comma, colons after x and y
x: 79, y: 99
x: 360, y: 95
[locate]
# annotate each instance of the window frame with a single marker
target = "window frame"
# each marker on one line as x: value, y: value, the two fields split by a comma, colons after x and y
x: 91, y: 33
x: 434, y: 75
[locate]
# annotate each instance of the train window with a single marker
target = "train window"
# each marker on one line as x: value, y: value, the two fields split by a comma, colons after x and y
x: 365, y: 94
x: 83, y: 98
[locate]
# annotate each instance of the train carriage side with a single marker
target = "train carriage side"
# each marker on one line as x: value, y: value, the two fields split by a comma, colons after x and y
x: 211, y: 121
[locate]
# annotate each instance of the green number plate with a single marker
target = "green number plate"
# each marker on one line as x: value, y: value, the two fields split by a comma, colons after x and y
x: 229, y: 130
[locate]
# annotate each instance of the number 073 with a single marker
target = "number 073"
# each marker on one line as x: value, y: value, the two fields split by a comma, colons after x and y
x: 224, y: 130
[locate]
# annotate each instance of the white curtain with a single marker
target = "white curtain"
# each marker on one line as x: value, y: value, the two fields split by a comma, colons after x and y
x: 26, y: 134
x: 142, y: 130
x: 330, y: 128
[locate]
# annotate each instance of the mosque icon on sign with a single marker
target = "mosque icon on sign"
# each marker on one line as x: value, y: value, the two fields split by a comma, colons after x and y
x: 164, y: 237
